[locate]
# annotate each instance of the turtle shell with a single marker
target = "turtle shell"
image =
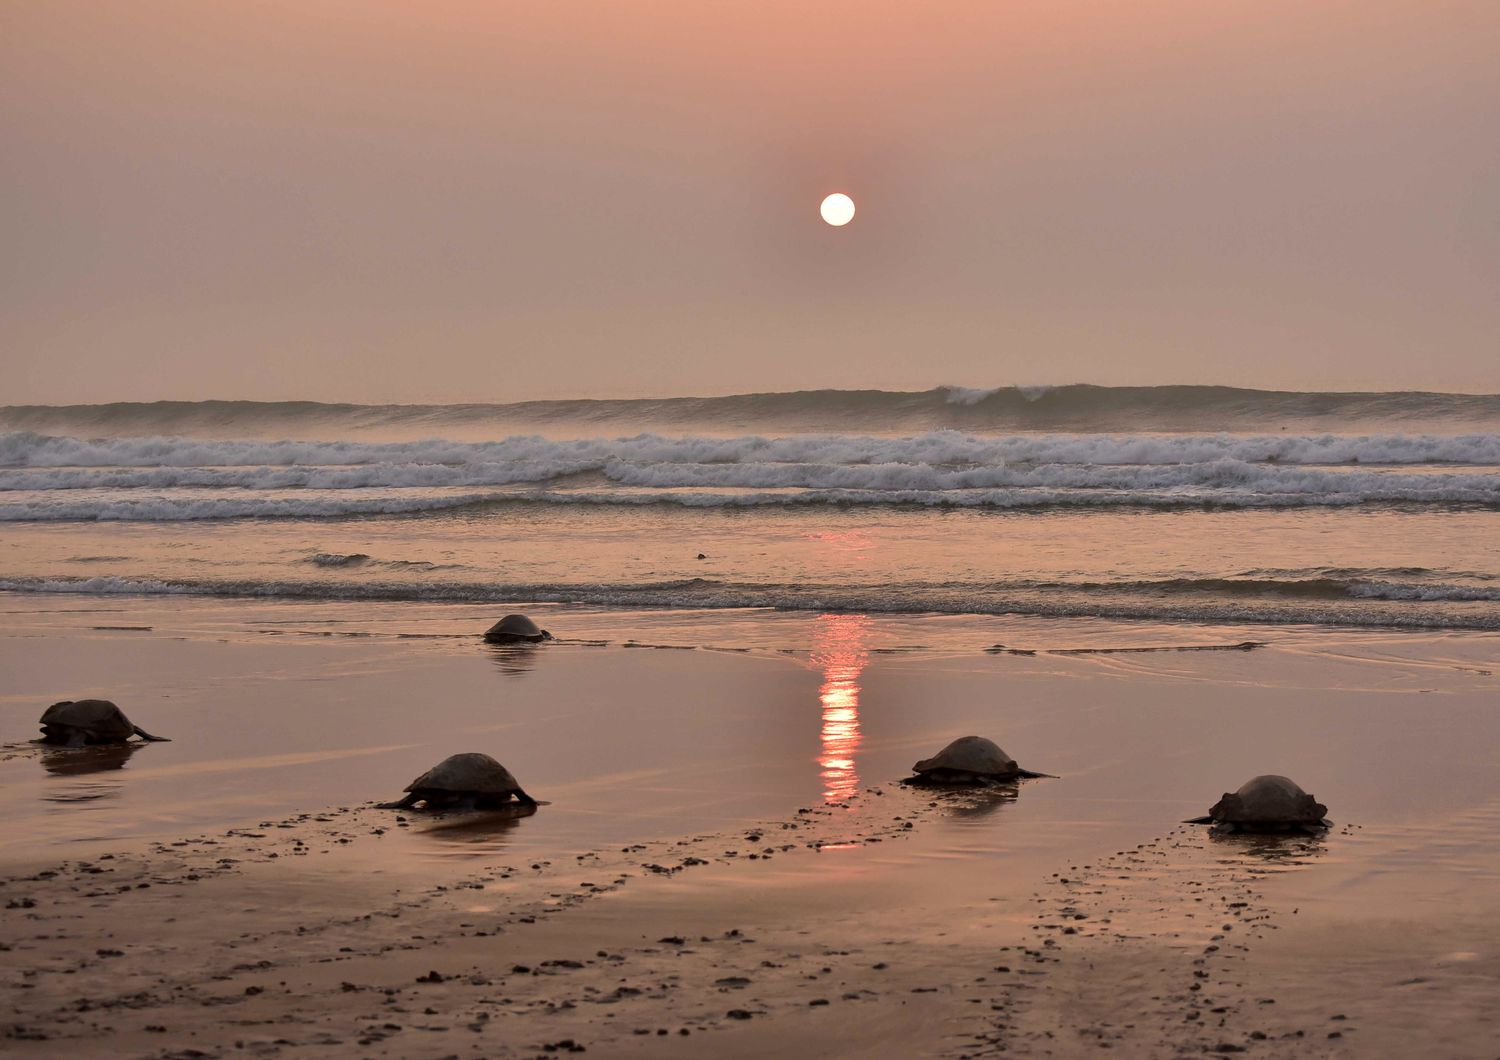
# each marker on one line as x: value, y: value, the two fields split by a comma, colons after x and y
x: 1268, y: 800
x: 470, y: 773
x: 99, y: 718
x: 971, y: 754
x: 514, y: 628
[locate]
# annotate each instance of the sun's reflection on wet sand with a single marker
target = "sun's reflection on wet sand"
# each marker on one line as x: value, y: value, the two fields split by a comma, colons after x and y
x: 841, y: 650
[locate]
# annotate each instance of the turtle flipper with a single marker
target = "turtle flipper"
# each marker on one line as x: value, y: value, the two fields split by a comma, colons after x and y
x: 1199, y: 820
x: 401, y: 804
x: 525, y: 799
x: 143, y: 734
x: 1027, y: 774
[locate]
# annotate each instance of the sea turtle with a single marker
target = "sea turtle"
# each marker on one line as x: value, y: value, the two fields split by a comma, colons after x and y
x: 79, y: 722
x: 516, y: 629
x: 1267, y: 804
x: 969, y: 760
x: 465, y: 781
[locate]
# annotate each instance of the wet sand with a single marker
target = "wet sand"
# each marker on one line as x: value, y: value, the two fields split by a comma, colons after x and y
x: 726, y: 861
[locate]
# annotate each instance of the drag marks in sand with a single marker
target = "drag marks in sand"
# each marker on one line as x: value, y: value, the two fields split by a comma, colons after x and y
x: 1144, y: 951
x: 209, y: 946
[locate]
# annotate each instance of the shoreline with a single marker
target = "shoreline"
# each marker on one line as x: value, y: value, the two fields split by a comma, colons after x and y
x: 715, y: 796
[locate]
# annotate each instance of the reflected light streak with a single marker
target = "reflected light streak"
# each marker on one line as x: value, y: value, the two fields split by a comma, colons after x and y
x: 842, y: 652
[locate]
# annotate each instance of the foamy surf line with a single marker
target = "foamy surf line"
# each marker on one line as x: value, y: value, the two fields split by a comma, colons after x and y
x: 1376, y: 604
x: 165, y: 509
x: 542, y: 457
x: 1224, y: 474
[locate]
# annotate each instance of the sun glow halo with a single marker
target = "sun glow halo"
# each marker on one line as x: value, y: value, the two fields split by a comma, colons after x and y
x: 837, y: 209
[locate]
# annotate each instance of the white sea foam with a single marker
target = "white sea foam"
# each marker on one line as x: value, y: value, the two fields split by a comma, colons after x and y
x: 966, y: 395
x: 339, y: 559
x: 359, y: 476
x: 59, y: 478
x: 1227, y: 476
x: 171, y: 509
x: 1224, y: 474
x: 1017, y: 498
x: 1422, y: 592
x: 532, y: 454
x: 324, y: 505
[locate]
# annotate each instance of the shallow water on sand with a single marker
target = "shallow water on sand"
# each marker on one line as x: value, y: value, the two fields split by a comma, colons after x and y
x: 651, y: 724
x: 723, y: 834
x: 1379, y: 567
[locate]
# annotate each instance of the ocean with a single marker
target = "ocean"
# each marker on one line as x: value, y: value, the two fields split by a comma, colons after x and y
x: 1160, y: 504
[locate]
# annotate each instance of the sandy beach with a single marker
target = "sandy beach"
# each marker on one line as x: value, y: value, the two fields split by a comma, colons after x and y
x: 726, y: 859
x: 813, y: 386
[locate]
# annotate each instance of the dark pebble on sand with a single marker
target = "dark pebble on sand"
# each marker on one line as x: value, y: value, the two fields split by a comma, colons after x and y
x: 738, y: 1014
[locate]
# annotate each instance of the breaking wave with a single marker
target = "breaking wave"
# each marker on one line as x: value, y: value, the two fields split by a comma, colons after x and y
x: 339, y: 559
x: 325, y: 505
x: 449, y: 487
x: 523, y: 458
x: 168, y: 509
x: 47, y: 477
x: 441, y: 481
x: 1291, y: 600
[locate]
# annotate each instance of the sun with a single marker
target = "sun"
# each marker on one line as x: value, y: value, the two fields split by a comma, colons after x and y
x: 837, y: 209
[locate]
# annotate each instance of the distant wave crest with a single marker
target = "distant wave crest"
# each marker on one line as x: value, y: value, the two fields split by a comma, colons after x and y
x: 1064, y: 407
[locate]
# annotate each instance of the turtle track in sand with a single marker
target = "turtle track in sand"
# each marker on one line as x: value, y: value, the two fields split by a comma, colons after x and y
x: 1144, y: 952
x: 72, y: 984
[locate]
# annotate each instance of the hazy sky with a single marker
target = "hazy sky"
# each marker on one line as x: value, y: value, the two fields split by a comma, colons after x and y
x: 450, y: 201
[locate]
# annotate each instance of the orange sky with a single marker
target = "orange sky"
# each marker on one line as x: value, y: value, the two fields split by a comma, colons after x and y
x: 479, y: 201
